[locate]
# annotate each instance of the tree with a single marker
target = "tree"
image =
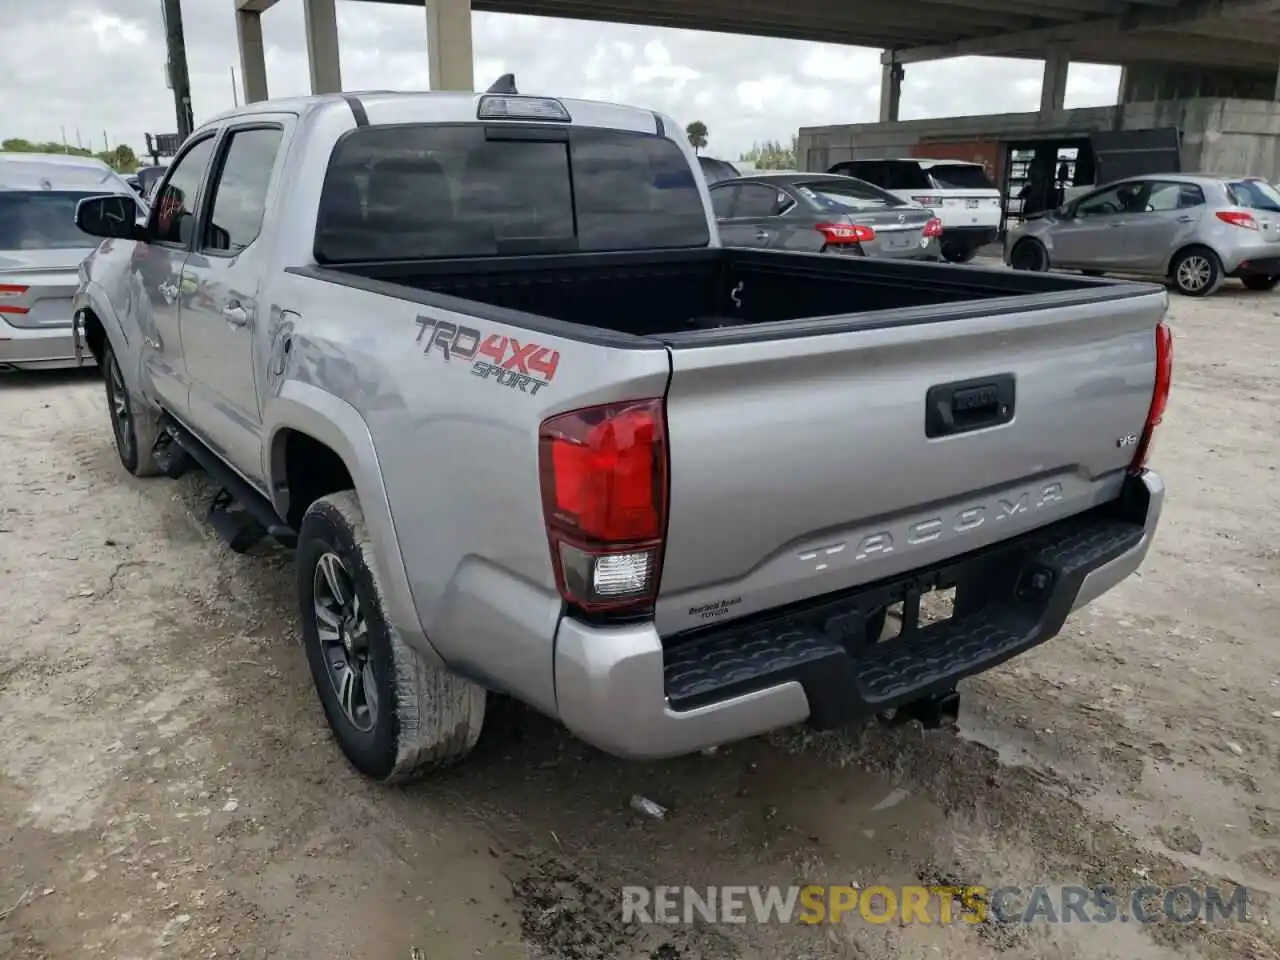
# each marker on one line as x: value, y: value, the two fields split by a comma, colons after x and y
x: 122, y: 159
x: 772, y: 155
x: 697, y: 134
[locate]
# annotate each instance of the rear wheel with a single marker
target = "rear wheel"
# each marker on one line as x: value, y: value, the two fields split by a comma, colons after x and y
x: 1256, y: 282
x: 394, y: 715
x: 1196, y: 272
x: 1029, y: 255
x: 957, y: 251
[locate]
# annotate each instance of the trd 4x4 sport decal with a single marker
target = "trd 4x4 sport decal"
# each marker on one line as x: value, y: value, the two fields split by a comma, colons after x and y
x: 518, y: 364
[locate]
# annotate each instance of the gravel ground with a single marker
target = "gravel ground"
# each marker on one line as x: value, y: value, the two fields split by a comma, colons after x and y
x: 168, y: 787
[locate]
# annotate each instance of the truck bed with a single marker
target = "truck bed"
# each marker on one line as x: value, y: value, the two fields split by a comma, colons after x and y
x: 673, y: 293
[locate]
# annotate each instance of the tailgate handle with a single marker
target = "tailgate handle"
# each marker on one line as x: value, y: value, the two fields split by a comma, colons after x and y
x: 952, y: 408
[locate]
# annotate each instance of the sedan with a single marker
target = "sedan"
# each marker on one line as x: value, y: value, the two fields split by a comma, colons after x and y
x: 1193, y: 230
x: 822, y: 213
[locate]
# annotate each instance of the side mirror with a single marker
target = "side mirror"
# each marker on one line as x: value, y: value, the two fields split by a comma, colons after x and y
x: 112, y: 217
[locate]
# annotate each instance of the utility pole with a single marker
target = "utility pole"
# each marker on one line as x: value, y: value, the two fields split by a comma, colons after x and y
x: 179, y: 80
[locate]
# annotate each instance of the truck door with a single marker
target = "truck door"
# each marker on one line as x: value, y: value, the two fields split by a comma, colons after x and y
x: 219, y: 319
x: 158, y: 264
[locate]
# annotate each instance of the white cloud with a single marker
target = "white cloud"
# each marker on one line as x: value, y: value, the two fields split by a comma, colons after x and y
x: 98, y: 65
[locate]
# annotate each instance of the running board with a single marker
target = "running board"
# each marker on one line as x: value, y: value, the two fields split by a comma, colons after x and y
x: 242, y: 528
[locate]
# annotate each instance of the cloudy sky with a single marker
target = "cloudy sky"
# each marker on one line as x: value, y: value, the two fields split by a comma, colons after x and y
x: 98, y: 65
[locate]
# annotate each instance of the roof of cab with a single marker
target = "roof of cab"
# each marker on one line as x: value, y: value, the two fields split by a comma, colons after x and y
x: 56, y: 171
x: 356, y: 99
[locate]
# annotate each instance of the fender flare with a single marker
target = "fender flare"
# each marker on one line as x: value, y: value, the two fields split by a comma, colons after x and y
x: 332, y: 421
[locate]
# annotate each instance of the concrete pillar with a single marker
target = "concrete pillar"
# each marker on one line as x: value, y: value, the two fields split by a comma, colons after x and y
x: 320, y: 23
x: 253, y: 56
x: 891, y: 75
x: 449, y: 58
x: 1053, y: 89
x: 1277, y: 94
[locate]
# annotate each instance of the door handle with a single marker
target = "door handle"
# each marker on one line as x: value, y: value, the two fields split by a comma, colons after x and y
x: 1185, y: 219
x: 1118, y: 223
x: 763, y: 234
x: 235, y: 315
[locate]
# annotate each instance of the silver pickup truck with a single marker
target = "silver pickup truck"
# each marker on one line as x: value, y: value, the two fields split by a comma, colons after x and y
x: 481, y: 359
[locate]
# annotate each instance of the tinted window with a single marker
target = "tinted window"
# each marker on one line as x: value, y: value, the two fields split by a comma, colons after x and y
x: 906, y: 175
x: 716, y: 170
x: 960, y: 176
x: 175, y: 205
x: 1257, y: 194
x: 240, y: 197
x: 756, y: 200
x: 850, y: 194
x: 872, y: 171
x: 1190, y: 195
x: 412, y: 192
x: 722, y: 200
x: 42, y: 220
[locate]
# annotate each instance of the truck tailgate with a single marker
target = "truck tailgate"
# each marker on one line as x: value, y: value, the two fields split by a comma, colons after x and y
x: 805, y: 465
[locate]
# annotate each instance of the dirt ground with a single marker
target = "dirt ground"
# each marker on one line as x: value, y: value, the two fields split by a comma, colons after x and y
x: 168, y: 787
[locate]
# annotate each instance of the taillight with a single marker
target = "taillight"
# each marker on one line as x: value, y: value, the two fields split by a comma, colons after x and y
x: 11, y: 291
x: 1159, y: 396
x: 933, y: 228
x: 928, y: 201
x: 604, y: 497
x: 846, y: 233
x: 1238, y: 218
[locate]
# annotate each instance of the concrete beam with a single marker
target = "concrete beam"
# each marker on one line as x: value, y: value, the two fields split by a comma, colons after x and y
x: 450, y: 63
x: 253, y: 55
x: 1053, y: 88
x: 320, y: 23
x: 255, y: 6
x: 1090, y: 29
x: 891, y: 75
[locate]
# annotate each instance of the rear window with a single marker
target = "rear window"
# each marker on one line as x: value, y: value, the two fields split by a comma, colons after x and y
x: 717, y: 170
x: 42, y: 220
x: 960, y: 176
x: 853, y: 195
x: 426, y: 192
x: 1257, y: 194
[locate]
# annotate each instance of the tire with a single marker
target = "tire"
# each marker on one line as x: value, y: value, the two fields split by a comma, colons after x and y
x: 135, y: 436
x: 1260, y: 283
x: 1196, y: 272
x: 957, y: 251
x: 419, y: 718
x: 1029, y: 255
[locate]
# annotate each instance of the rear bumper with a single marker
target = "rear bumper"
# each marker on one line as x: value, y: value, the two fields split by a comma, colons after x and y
x: 41, y: 348
x: 1257, y: 267
x: 626, y: 691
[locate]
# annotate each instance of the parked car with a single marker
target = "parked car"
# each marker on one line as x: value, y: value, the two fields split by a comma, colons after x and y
x: 1195, y: 230
x: 959, y: 192
x: 819, y: 213
x: 716, y: 170
x: 481, y: 359
x: 41, y: 249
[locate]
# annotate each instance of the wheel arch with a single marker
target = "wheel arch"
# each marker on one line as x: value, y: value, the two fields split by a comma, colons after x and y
x: 302, y: 419
x: 1187, y: 248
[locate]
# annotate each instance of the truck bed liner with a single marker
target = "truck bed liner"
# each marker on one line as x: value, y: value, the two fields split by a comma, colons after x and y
x: 671, y: 293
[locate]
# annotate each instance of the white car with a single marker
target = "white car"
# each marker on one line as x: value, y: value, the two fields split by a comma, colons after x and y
x: 959, y: 192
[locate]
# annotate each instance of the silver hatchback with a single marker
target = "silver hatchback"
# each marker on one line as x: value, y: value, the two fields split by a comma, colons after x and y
x: 40, y: 252
x: 1195, y: 230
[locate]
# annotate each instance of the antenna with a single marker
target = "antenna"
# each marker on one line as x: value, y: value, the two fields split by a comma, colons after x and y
x: 504, y: 84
